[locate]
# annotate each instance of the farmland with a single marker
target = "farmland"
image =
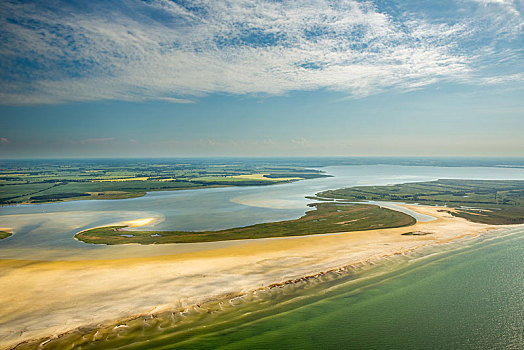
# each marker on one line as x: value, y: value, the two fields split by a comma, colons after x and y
x: 484, y: 201
x: 52, y: 181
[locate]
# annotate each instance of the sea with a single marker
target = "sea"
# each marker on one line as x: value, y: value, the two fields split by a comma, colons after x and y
x: 462, y: 295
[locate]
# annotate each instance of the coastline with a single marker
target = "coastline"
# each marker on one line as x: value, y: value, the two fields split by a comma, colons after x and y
x: 107, y: 290
x: 131, y: 195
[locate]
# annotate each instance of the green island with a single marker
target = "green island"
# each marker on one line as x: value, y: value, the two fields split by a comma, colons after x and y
x: 489, y: 202
x: 325, y: 218
x: 485, y: 201
x: 54, y: 181
x: 5, y: 234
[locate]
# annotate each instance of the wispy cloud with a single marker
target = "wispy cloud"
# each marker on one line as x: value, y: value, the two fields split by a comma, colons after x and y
x: 97, y: 140
x: 54, y: 52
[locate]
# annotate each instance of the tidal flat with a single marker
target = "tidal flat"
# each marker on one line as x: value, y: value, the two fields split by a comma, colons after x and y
x: 466, y: 294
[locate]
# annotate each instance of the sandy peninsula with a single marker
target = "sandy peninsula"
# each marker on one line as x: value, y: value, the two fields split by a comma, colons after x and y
x: 138, y: 222
x: 5, y: 232
x: 42, y: 299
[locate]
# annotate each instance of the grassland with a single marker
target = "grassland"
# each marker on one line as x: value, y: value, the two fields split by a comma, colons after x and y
x: 5, y: 234
x: 325, y: 218
x: 51, y: 181
x: 489, y: 202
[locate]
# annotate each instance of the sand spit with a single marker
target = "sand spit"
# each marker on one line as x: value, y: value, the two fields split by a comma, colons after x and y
x: 263, y: 177
x: 128, y: 224
x: 42, y: 299
x: 5, y: 232
x: 138, y: 222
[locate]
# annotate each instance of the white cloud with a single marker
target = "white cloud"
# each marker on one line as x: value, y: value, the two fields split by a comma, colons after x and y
x: 160, y: 50
x: 495, y: 80
x: 509, y: 5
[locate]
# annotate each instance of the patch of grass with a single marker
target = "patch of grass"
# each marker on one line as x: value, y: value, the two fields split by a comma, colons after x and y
x: 5, y: 234
x: 56, y: 197
x: 325, y: 218
x: 484, y: 201
x: 416, y: 233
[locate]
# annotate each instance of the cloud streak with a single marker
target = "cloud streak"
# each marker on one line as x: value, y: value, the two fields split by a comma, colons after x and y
x: 55, y: 52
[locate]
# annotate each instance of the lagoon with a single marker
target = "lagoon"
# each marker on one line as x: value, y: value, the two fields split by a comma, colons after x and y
x: 45, y: 231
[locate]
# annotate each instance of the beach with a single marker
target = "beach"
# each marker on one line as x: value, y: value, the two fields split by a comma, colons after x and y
x: 43, y: 299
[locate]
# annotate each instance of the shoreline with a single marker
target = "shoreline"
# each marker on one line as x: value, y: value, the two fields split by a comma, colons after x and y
x: 134, y: 195
x: 213, y: 302
x: 127, y: 289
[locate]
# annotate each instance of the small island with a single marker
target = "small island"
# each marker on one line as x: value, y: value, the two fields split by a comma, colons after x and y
x: 4, y: 233
x: 325, y: 218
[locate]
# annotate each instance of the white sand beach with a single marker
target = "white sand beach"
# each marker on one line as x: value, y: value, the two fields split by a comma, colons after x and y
x: 47, y: 298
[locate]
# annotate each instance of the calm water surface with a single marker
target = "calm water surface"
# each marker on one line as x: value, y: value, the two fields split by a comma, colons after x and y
x: 45, y: 231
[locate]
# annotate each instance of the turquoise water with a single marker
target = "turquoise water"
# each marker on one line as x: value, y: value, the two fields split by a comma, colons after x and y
x: 463, y: 295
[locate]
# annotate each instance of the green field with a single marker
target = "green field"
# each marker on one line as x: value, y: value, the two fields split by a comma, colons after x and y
x: 484, y: 201
x: 325, y: 218
x: 52, y: 181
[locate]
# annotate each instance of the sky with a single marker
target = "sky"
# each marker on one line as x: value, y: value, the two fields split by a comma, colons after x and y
x: 158, y: 78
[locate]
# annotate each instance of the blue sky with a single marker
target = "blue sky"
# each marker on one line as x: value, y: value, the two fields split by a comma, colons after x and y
x: 261, y: 78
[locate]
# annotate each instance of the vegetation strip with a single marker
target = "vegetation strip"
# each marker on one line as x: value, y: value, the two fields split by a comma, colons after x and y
x: 491, y: 202
x: 52, y: 181
x: 326, y: 218
x: 5, y: 234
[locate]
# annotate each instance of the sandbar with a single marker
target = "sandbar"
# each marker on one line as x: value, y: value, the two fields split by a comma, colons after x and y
x: 138, y: 222
x: 5, y: 232
x: 42, y: 299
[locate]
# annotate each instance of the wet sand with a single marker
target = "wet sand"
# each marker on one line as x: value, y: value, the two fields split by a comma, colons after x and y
x: 47, y: 298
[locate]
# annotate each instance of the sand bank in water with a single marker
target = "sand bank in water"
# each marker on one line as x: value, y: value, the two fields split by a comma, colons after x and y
x: 138, y: 222
x: 48, y: 298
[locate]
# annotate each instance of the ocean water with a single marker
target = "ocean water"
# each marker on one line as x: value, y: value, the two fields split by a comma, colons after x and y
x: 462, y: 295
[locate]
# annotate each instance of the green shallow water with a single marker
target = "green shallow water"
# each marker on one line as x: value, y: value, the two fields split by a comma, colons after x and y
x: 467, y: 295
